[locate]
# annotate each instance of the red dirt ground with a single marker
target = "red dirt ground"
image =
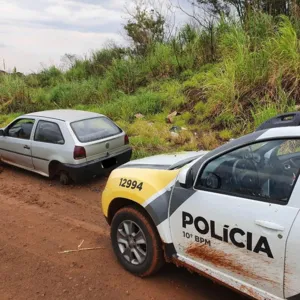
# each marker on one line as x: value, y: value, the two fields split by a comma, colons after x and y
x: 39, y: 218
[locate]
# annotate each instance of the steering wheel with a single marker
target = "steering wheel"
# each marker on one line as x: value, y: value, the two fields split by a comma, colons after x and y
x: 245, y: 174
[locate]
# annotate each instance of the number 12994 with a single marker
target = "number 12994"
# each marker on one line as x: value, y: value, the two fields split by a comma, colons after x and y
x: 131, y: 184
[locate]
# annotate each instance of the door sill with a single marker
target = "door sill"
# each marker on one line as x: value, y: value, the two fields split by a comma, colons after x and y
x: 24, y: 168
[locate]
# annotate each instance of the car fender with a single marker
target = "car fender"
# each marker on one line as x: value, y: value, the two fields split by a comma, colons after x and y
x: 59, y: 158
x: 154, y: 193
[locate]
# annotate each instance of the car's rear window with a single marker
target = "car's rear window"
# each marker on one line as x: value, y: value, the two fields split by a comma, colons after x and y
x: 90, y: 130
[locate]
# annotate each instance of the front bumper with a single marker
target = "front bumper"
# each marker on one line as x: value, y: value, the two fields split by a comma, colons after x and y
x: 96, y: 167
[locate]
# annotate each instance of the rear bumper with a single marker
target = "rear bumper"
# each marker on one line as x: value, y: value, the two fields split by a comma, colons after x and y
x: 92, y: 168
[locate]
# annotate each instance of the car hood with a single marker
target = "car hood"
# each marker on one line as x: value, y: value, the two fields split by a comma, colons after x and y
x: 165, y: 161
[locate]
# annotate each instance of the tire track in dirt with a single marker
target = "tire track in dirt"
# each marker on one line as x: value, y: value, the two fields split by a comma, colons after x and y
x: 39, y: 218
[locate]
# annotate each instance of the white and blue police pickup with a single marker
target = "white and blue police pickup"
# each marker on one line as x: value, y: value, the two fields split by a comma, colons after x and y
x: 231, y: 214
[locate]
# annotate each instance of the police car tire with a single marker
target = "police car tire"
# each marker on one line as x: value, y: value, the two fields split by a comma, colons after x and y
x: 154, y: 258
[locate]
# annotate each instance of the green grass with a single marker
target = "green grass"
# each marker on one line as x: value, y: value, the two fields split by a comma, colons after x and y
x: 6, y: 119
x: 223, y: 83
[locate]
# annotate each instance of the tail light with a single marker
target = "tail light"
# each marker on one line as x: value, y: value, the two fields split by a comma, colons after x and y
x: 126, y: 139
x: 79, y: 152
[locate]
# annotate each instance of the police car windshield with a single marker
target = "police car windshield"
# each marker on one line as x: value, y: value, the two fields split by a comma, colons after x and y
x: 182, y: 164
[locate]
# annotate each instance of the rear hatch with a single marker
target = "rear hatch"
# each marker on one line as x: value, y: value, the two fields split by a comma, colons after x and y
x: 100, y: 137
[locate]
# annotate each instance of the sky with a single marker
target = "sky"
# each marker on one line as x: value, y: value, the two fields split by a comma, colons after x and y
x: 37, y: 33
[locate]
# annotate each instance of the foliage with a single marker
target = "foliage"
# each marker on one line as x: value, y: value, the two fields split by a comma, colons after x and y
x: 222, y: 81
x: 145, y: 28
x: 244, y: 7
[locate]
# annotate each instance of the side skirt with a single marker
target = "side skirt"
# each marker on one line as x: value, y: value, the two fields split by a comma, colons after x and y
x: 228, y: 281
x: 24, y: 168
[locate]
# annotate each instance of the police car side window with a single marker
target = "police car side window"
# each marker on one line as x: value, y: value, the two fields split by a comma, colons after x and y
x: 264, y: 171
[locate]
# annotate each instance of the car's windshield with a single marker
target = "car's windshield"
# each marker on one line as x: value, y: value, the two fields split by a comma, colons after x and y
x: 182, y: 164
x: 89, y: 130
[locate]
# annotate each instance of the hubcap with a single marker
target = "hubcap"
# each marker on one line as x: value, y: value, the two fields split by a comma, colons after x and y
x: 132, y: 242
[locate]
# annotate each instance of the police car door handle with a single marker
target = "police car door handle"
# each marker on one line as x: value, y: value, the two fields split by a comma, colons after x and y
x: 269, y: 225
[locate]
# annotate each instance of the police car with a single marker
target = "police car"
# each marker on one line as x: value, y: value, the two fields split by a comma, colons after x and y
x: 231, y: 214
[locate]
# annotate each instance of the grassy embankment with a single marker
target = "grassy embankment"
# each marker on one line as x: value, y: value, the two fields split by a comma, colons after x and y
x: 224, y: 84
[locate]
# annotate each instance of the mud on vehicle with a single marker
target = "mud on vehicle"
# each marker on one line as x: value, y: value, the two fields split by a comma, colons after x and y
x: 231, y: 214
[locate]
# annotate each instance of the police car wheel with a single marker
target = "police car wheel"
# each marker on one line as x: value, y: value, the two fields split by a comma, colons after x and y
x: 136, y: 242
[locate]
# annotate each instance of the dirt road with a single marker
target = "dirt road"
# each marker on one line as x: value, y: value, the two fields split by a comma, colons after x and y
x: 40, y: 218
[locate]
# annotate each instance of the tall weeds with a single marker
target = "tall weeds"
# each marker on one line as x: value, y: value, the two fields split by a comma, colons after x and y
x: 227, y: 79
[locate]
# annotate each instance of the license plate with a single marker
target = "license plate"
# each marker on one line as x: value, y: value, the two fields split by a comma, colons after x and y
x: 109, y: 162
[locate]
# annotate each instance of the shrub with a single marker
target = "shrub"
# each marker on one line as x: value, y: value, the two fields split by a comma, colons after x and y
x: 6, y: 119
x: 50, y: 77
x: 14, y: 94
x: 126, y: 75
x: 224, y: 80
x: 161, y: 62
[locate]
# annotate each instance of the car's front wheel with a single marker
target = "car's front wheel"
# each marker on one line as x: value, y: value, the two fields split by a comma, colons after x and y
x: 136, y: 242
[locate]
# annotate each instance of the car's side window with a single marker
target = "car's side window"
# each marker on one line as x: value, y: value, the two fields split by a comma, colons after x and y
x: 21, y: 129
x: 265, y: 171
x: 48, y: 132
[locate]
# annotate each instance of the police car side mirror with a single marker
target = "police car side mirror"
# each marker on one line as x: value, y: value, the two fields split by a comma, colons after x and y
x: 185, y: 178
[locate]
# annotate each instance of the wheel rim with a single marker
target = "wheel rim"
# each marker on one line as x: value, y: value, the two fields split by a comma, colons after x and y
x: 132, y: 242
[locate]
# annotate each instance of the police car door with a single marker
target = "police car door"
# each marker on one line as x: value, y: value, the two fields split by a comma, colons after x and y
x: 234, y: 223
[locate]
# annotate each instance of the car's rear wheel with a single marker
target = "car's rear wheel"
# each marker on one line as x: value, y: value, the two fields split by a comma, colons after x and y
x: 64, y: 178
x: 136, y: 242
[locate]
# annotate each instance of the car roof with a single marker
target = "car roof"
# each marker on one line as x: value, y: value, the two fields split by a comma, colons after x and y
x: 279, y: 133
x: 68, y: 115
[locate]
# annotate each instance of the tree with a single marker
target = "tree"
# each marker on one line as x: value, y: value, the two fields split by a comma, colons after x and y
x: 243, y: 7
x: 145, y: 27
x: 202, y: 16
x: 68, y: 61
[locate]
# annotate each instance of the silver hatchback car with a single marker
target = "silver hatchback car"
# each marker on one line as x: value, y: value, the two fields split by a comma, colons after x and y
x: 71, y: 144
